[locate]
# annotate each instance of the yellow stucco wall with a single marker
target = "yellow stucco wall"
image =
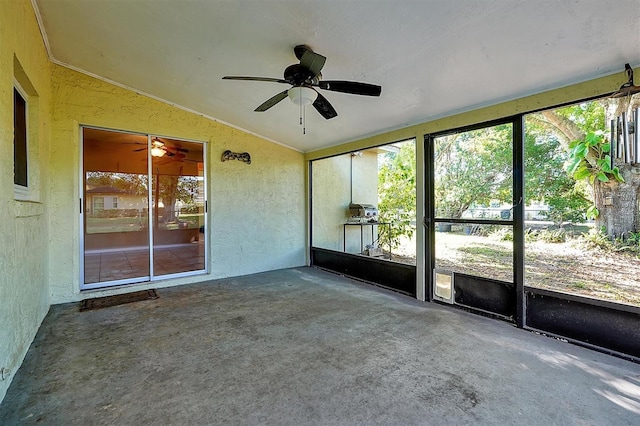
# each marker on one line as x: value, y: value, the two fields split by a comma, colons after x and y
x: 334, y: 179
x: 24, y: 296
x: 257, y: 211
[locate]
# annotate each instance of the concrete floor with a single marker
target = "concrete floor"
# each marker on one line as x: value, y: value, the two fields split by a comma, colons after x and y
x: 303, y: 346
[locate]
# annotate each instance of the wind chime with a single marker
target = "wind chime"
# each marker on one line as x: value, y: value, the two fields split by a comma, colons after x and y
x: 625, y: 133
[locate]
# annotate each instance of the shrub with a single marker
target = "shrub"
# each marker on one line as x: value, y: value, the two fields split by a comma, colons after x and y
x: 502, y: 234
x: 597, y: 238
x: 558, y: 235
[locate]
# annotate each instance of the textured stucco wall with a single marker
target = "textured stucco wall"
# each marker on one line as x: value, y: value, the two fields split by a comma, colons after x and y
x: 24, y: 296
x: 256, y: 211
x: 331, y: 194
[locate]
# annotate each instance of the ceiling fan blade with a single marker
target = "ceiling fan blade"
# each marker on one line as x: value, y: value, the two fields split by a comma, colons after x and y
x: 272, y: 80
x: 272, y: 101
x: 169, y: 144
x: 323, y: 106
x: 175, y: 148
x: 352, y: 87
x: 312, y: 61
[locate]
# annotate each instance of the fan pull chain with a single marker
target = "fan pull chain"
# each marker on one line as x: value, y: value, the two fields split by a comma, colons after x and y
x: 303, y: 117
x: 300, y: 107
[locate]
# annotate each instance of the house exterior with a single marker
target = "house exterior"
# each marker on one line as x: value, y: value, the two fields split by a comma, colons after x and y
x: 110, y: 198
x: 41, y: 230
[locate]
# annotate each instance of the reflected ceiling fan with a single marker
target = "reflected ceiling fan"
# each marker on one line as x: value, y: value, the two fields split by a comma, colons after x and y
x: 305, y: 78
x: 160, y: 148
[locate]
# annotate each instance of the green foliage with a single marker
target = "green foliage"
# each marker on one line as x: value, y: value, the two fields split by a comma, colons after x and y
x: 558, y: 235
x: 131, y: 183
x: 472, y: 169
x: 597, y: 238
x: 502, y: 234
x: 633, y: 238
x: 592, y: 212
x: 545, y: 178
x: 397, y: 192
x: 589, y: 159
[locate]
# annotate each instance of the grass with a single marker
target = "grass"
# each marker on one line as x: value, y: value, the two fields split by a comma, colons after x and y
x: 585, y: 266
x: 101, y: 225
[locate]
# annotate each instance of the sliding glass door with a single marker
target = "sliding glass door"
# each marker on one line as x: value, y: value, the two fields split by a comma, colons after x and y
x: 178, y: 207
x: 143, y: 208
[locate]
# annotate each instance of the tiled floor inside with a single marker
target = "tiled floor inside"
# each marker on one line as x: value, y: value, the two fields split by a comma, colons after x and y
x: 101, y: 266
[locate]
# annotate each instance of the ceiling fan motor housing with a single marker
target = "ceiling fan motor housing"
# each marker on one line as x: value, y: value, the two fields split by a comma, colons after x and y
x: 299, y: 75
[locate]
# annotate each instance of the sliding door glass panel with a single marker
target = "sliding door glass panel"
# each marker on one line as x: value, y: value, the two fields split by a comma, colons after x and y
x: 116, y: 226
x: 178, y: 201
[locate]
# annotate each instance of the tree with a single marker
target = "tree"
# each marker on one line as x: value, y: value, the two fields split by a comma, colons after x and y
x: 397, y: 191
x: 472, y: 169
x: 546, y: 181
x: 173, y: 188
x: 614, y: 191
x: 131, y: 183
x: 567, y: 166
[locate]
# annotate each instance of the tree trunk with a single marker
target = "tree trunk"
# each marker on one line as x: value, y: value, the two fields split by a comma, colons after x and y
x: 618, y: 203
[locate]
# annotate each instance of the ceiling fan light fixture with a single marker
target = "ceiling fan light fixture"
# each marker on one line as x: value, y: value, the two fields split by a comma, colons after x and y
x: 302, y: 95
x: 157, y: 151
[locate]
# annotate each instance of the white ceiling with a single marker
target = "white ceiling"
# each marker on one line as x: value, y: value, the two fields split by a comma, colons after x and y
x: 432, y: 58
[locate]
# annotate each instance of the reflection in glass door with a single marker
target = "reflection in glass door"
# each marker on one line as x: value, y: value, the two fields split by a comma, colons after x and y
x: 143, y: 208
x: 178, y: 206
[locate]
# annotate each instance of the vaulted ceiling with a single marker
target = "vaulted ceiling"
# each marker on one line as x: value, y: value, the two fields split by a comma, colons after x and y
x: 433, y: 58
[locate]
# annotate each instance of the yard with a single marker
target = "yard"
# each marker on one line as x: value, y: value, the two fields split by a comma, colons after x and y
x: 99, y: 225
x: 572, y: 266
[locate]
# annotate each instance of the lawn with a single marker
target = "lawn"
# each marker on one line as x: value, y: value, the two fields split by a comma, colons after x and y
x: 569, y: 266
x: 100, y: 225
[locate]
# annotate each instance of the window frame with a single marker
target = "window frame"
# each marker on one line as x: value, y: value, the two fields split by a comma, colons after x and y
x: 21, y: 192
x: 94, y: 203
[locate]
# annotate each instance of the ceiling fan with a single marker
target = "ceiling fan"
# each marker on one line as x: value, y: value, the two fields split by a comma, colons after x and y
x: 304, y: 78
x: 160, y: 148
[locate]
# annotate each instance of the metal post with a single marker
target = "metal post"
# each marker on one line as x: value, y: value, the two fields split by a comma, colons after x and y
x: 518, y: 218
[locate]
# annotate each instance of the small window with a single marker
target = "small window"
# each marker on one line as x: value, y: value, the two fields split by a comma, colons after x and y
x: 98, y: 204
x: 20, y: 171
x: 115, y: 202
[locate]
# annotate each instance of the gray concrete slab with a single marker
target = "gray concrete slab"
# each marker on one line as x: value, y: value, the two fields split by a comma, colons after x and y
x: 303, y: 346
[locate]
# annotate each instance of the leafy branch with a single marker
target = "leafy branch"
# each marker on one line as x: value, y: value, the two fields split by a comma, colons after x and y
x: 590, y: 158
